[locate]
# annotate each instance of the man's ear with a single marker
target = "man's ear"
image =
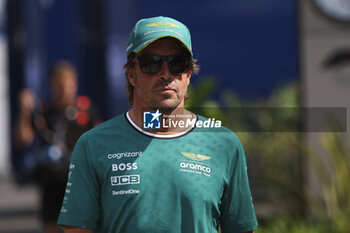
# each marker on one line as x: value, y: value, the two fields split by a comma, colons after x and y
x: 131, y: 76
x: 189, y: 74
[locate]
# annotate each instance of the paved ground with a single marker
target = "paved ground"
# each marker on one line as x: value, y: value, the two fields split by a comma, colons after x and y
x: 18, y: 208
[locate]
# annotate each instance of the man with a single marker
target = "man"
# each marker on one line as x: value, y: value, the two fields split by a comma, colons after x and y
x: 53, y: 129
x: 131, y: 175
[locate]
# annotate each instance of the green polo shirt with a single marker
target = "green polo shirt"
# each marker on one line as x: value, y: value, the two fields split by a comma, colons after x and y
x: 123, y: 179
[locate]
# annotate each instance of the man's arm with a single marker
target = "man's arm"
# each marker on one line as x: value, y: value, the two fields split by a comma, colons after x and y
x: 70, y: 229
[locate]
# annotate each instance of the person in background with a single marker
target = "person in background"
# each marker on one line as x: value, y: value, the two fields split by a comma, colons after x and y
x: 51, y: 130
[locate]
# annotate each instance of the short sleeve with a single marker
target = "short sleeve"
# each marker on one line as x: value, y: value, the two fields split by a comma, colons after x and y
x: 237, y: 210
x: 80, y: 206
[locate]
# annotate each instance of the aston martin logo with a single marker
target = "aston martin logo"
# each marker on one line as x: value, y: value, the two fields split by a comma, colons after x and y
x: 163, y: 24
x: 196, y: 157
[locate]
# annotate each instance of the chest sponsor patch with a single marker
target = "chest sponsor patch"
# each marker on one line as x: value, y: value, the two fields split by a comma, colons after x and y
x: 124, y: 180
x: 195, y: 166
x: 124, y: 166
x: 125, y: 154
x: 196, y: 157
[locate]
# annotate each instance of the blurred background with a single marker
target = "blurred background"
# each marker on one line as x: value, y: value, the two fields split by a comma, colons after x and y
x: 291, y: 54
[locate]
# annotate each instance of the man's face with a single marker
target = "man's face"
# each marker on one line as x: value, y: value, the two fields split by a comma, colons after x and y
x: 162, y: 90
x: 64, y: 87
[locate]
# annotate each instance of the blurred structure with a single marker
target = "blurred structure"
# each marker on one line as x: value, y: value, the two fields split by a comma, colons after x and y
x: 325, y: 53
x: 4, y: 97
x: 325, y: 59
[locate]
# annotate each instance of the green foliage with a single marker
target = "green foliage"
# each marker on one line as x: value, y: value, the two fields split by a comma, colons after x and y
x: 287, y: 225
x: 333, y: 172
x: 273, y: 157
x: 276, y: 161
x: 200, y: 93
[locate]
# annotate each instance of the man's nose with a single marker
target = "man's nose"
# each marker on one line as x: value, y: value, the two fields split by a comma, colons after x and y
x: 164, y: 72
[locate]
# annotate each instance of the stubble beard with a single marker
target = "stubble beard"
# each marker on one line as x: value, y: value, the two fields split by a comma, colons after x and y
x: 166, y: 108
x: 155, y: 104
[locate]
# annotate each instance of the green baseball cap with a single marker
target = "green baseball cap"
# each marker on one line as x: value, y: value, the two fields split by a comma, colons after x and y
x: 149, y: 30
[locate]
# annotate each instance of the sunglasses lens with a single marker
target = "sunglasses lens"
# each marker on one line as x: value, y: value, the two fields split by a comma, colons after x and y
x: 178, y: 65
x: 150, y: 64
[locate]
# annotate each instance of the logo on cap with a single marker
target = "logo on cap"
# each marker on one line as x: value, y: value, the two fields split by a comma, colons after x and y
x: 163, y: 24
x: 129, y: 47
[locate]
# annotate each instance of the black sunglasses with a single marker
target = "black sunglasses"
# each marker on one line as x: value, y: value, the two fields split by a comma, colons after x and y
x: 151, y: 64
